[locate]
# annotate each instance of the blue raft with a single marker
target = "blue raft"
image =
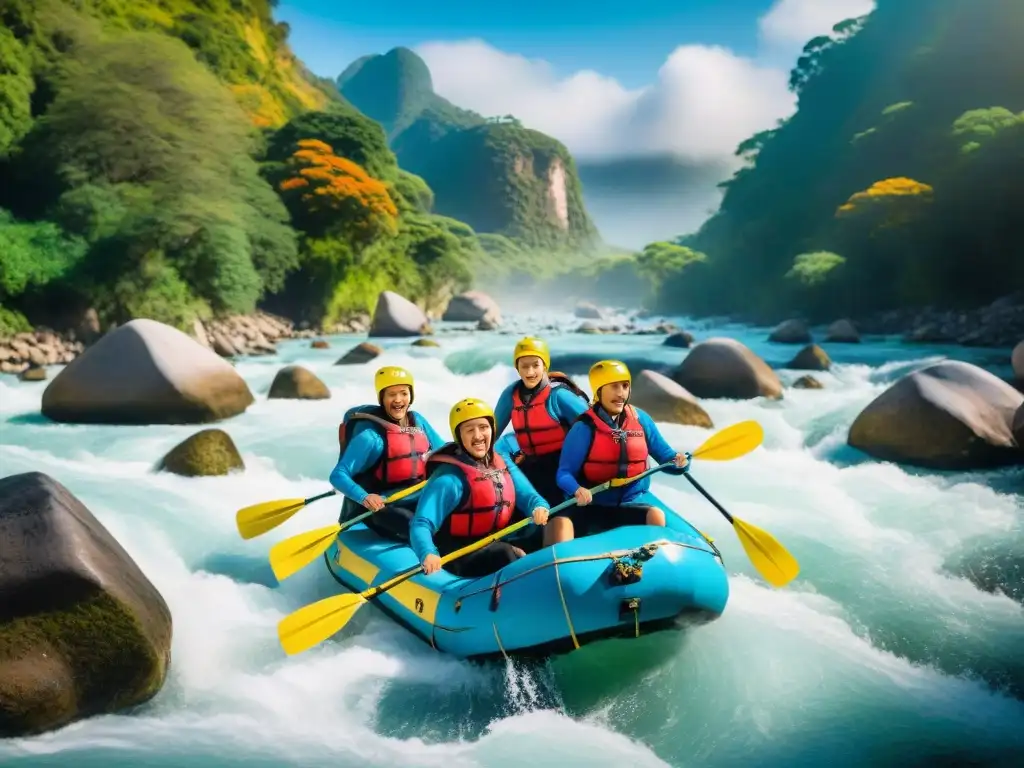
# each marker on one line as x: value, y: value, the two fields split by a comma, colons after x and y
x: 550, y: 601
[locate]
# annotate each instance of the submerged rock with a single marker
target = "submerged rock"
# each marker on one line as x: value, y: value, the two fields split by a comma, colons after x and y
x: 33, y: 373
x: 82, y: 630
x: 951, y: 416
x: 807, y: 382
x: 425, y: 343
x: 726, y: 368
x: 679, y: 339
x: 319, y: 344
x: 208, y: 453
x: 810, y: 358
x: 145, y: 372
x: 293, y: 382
x: 665, y: 400
x: 359, y: 354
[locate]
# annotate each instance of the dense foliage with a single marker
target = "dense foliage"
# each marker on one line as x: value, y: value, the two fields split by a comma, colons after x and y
x: 147, y: 182
x: 897, y: 182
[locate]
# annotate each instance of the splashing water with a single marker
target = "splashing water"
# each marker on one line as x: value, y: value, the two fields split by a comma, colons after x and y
x: 880, y: 653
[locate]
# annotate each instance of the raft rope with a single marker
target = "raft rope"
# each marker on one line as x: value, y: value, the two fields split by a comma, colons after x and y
x: 578, y: 559
x: 565, y: 605
x: 497, y: 639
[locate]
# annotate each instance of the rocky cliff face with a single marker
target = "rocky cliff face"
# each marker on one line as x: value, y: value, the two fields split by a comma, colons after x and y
x: 494, y: 174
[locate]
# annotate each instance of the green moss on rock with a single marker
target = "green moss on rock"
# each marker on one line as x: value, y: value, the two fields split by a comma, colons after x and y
x: 209, y: 452
x: 88, y: 657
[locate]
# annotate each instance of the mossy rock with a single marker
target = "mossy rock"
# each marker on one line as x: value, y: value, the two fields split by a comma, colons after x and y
x: 294, y: 382
x: 82, y: 630
x: 425, y: 343
x: 207, y: 453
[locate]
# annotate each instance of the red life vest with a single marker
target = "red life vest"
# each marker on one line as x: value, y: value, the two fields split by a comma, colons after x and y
x: 537, y: 431
x: 403, y: 461
x: 488, y: 506
x: 620, y: 452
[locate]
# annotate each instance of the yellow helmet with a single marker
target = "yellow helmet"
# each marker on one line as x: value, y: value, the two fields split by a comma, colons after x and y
x: 528, y: 346
x: 607, y: 372
x: 468, y: 409
x: 393, y: 376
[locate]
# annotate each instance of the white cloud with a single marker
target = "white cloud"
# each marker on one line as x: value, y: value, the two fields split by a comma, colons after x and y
x: 703, y: 103
x: 794, y: 22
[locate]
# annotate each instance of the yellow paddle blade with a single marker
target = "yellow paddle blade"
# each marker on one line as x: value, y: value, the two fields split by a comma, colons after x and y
x: 731, y: 442
x: 259, y: 518
x: 316, y: 622
x: 294, y: 554
x: 769, y: 557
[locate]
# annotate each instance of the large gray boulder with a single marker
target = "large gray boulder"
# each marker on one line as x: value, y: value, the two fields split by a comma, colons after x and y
x: 666, y: 401
x: 791, y: 332
x: 949, y: 416
x: 396, y: 316
x: 145, y: 372
x: 82, y: 630
x: 842, y: 332
x: 472, y: 307
x: 726, y: 368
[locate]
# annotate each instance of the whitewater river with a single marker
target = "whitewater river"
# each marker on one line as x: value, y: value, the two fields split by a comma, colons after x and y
x: 879, y: 654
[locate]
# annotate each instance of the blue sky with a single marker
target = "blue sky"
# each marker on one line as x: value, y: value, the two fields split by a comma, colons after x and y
x: 624, y: 39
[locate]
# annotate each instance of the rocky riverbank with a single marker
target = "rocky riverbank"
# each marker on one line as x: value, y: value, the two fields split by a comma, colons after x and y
x: 28, y: 354
x: 999, y: 324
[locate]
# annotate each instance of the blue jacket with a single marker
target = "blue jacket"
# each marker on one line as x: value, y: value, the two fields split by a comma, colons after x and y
x: 562, y: 404
x: 443, y: 495
x: 577, y: 445
x: 364, y: 450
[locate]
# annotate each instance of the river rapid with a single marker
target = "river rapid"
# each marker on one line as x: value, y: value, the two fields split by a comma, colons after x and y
x: 885, y: 651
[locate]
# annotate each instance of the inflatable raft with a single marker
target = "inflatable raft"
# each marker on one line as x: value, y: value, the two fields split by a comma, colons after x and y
x: 622, y: 583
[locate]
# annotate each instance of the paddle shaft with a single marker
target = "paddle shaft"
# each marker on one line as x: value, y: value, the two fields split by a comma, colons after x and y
x: 324, y: 495
x: 709, y: 497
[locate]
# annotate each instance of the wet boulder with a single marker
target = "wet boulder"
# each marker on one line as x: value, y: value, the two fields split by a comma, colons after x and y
x: 810, y: 358
x: 472, y: 307
x: 208, y: 453
x: 791, y: 332
x: 679, y: 340
x: 587, y: 311
x: 360, y: 354
x: 807, y: 382
x: 726, y: 368
x: 948, y: 416
x: 667, y: 401
x: 145, y: 372
x: 1017, y: 361
x: 293, y: 382
x: 33, y: 373
x: 396, y: 316
x: 82, y: 630
x: 425, y: 343
x: 319, y: 344
x: 842, y: 332
x: 1018, y: 427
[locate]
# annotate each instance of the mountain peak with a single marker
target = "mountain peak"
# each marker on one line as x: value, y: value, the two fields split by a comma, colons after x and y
x: 390, y: 88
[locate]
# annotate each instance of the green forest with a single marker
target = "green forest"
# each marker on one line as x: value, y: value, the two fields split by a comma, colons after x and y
x: 173, y: 159
x: 899, y: 181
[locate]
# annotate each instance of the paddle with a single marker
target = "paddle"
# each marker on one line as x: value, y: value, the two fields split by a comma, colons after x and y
x: 769, y: 557
x: 259, y: 518
x: 292, y: 555
x: 318, y: 621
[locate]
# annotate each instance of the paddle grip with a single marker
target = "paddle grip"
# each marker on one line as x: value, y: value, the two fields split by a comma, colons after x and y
x: 708, y: 496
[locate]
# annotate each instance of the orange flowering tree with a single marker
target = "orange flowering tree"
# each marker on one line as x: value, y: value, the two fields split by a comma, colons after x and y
x: 329, y: 195
x: 888, y: 203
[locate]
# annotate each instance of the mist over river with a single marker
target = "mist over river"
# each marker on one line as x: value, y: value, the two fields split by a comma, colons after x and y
x: 885, y: 650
